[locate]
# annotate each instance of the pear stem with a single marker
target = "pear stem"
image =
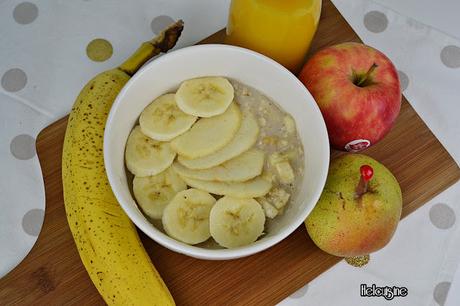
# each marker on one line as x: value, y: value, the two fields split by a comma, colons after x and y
x: 361, y: 188
x: 366, y: 175
x: 362, y: 80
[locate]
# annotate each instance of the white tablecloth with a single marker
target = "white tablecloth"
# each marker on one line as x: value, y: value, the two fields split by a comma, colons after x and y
x: 44, y: 65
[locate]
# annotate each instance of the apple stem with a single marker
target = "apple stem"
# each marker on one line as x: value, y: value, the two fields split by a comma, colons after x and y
x: 365, y: 77
x: 366, y: 175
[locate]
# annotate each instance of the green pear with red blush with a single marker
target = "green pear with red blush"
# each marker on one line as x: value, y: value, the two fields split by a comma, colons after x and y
x: 359, y: 209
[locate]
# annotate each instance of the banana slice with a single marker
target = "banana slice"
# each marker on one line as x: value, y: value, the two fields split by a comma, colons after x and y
x: 236, y: 222
x: 257, y: 187
x: 244, y: 139
x: 209, y: 134
x: 269, y: 210
x: 153, y: 193
x: 162, y: 120
x: 205, y: 97
x: 186, y: 217
x: 145, y: 156
x: 239, y: 169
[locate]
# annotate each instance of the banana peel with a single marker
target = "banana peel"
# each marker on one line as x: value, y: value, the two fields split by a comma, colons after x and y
x: 107, y: 241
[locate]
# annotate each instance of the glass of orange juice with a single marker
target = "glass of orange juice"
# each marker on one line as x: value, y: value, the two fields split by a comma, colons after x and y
x: 280, y: 29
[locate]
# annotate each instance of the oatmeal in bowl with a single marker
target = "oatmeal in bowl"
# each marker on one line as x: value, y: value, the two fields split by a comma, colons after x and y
x: 215, y: 162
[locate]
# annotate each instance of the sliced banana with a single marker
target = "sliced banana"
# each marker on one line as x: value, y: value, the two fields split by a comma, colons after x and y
x: 244, y: 139
x: 278, y: 197
x: 236, y: 222
x: 186, y: 217
x: 205, y: 97
x: 153, y: 193
x: 145, y: 156
x: 209, y: 134
x: 269, y: 210
x: 239, y: 169
x: 162, y: 120
x: 257, y: 187
x: 285, y: 172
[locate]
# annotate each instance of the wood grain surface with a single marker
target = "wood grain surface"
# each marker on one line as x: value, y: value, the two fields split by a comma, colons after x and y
x: 53, y: 274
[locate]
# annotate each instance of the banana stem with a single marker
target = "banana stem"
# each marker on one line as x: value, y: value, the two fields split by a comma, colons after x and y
x: 145, y: 52
x: 165, y: 41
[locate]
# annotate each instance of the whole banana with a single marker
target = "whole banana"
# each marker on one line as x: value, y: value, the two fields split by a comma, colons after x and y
x: 107, y: 241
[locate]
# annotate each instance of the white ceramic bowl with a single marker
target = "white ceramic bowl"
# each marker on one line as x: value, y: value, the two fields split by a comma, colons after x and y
x: 164, y: 74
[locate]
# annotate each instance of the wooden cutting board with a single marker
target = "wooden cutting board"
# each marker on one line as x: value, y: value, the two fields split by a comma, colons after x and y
x: 53, y: 274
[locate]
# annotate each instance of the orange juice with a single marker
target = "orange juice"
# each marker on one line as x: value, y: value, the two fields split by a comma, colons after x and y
x: 280, y: 29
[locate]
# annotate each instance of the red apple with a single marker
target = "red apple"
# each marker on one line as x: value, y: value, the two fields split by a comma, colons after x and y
x: 357, y: 89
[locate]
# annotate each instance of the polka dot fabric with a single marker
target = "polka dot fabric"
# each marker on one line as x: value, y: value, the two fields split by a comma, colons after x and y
x: 403, y: 79
x: 14, y: 80
x: 442, y: 216
x: 23, y: 147
x: 25, y: 13
x: 32, y: 221
x: 450, y: 56
x: 99, y: 50
x: 440, y: 292
x: 375, y: 21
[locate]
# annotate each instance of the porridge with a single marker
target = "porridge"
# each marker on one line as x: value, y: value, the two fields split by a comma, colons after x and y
x: 214, y: 162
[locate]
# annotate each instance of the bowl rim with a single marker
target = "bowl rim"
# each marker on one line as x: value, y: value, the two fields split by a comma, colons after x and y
x: 190, y: 250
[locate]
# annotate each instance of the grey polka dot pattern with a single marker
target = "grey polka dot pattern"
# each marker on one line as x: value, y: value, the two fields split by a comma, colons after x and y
x: 160, y: 22
x: 403, y: 80
x: 450, y: 56
x: 442, y: 216
x: 300, y: 293
x: 375, y: 21
x: 440, y: 292
x: 14, y: 80
x: 25, y: 13
x: 32, y: 221
x: 23, y: 147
